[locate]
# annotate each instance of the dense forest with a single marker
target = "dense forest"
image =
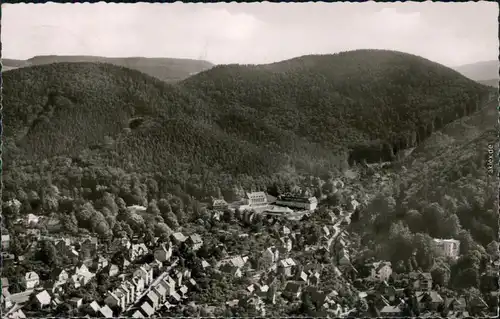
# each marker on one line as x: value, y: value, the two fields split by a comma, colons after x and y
x: 304, y: 113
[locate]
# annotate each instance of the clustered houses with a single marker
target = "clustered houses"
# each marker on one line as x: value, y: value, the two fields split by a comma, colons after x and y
x: 142, y: 293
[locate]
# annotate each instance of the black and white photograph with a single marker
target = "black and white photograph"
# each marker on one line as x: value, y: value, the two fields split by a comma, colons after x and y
x: 333, y: 160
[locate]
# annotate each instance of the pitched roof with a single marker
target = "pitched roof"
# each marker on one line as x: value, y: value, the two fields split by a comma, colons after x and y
x: 137, y: 314
x: 43, y: 297
x: 196, y: 238
x: 95, y: 306
x: 179, y: 236
x: 31, y: 275
x: 146, y: 307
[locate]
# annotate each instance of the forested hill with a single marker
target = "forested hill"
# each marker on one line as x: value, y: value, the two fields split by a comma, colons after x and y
x: 165, y: 69
x: 374, y: 101
x: 303, y: 113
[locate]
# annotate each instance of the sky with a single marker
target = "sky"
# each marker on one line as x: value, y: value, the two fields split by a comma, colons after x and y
x: 449, y: 33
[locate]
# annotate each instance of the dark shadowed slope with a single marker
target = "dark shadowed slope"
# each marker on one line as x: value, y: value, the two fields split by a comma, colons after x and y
x: 480, y: 71
x: 303, y: 113
x: 373, y: 101
x: 166, y: 69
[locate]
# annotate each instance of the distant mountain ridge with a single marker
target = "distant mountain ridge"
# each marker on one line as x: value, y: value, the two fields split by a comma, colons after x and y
x: 165, y: 69
x: 481, y: 71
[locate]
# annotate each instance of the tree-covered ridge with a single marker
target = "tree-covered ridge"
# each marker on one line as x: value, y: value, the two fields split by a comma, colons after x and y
x: 165, y: 69
x: 356, y: 96
x: 304, y: 113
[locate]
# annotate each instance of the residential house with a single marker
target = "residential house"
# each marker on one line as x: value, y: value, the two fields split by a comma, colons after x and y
x: 175, y: 298
x: 100, y: 262
x: 76, y: 302
x: 163, y: 253
x: 147, y: 309
x: 106, y: 312
x: 112, y: 270
x: 153, y: 299
x: 270, y: 257
x: 115, y: 299
x: 286, y: 245
x: 127, y: 293
x: 139, y: 285
x: 343, y: 257
x: 89, y: 246
x: 233, y: 265
x: 195, y: 241
x: 95, y: 306
x: 146, y: 273
x: 156, y: 265
x: 380, y: 270
x: 183, y: 290
x: 16, y: 314
x: 43, y: 299
x: 391, y: 311
x: 137, y: 251
x: 287, y: 267
x: 448, y: 247
x: 32, y: 220
x: 219, y: 204
x: 53, y: 287
x: 429, y: 300
x: 161, y: 291
x: 137, y: 314
x: 30, y: 280
x: 5, y: 242
x: 421, y: 280
x: 255, y: 199
x: 293, y: 289
x: 169, y: 284
x: 178, y: 238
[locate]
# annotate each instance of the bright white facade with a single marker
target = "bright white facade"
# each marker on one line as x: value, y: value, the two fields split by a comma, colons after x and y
x: 448, y: 247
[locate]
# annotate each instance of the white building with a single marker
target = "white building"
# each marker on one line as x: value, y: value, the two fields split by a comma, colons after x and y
x: 448, y: 247
x: 309, y: 203
x: 256, y: 199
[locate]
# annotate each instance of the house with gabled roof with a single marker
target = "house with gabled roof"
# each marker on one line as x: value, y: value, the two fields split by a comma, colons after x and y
x: 195, y: 241
x: 380, y: 270
x: 137, y: 314
x: 161, y: 291
x: 287, y: 267
x: 178, y: 238
x: 59, y: 275
x: 153, y: 299
x: 5, y: 242
x: 43, y: 299
x: 219, y: 204
x: 146, y: 273
x: 293, y: 289
x: 429, y: 299
x: 76, y: 302
x: 421, y: 280
x: 106, y: 312
x: 30, y: 280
